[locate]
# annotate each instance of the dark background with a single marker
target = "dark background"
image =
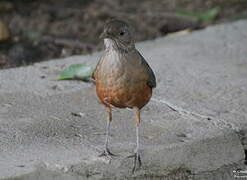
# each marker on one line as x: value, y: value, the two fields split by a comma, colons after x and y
x: 37, y: 30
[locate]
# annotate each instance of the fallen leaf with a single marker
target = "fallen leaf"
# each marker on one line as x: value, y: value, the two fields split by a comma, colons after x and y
x: 76, y: 71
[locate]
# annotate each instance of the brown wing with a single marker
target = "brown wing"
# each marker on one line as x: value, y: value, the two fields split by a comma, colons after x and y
x: 151, y: 77
x: 96, y: 68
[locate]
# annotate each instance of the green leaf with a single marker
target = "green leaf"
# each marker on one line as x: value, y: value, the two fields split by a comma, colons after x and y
x: 209, y: 15
x: 76, y: 71
x: 183, y: 12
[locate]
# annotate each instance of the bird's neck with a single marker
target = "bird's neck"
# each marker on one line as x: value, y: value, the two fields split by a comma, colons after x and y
x: 111, y: 45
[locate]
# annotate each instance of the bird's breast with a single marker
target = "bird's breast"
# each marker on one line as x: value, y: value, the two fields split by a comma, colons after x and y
x: 118, y: 80
x: 112, y: 68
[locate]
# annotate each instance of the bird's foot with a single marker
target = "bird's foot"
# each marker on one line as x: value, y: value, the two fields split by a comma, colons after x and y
x: 137, y: 160
x: 107, y: 153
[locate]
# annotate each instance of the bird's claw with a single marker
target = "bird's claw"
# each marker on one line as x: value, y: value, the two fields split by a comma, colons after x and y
x: 107, y: 153
x: 137, y: 160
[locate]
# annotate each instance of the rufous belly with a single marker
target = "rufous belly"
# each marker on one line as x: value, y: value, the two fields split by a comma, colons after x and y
x: 124, y: 95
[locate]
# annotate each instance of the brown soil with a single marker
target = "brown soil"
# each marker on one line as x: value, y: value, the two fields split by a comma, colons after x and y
x: 45, y: 29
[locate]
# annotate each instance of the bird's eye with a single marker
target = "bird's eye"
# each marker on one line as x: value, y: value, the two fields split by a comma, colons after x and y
x: 121, y: 33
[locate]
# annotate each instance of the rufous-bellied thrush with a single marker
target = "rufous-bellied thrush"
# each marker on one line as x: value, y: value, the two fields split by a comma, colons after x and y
x: 123, y: 77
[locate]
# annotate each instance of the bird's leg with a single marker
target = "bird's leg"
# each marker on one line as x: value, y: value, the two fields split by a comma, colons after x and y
x: 106, y: 151
x: 137, y: 158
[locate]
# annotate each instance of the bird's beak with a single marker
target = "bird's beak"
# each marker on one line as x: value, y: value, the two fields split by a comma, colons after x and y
x: 104, y: 35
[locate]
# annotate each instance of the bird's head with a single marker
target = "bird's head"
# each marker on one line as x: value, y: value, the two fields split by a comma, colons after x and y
x: 117, y: 34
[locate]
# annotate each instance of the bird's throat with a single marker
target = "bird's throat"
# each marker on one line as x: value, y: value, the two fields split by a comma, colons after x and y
x: 109, y: 44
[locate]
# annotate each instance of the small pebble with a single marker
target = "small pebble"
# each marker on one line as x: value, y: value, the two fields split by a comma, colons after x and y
x: 80, y: 114
x: 57, y: 87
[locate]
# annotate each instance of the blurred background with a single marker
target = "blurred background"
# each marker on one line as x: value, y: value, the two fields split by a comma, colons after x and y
x: 38, y: 30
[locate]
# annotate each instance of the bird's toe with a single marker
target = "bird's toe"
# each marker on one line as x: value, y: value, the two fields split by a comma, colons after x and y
x: 137, y: 161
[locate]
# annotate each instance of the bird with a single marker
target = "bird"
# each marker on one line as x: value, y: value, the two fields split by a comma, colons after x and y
x: 123, y: 78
